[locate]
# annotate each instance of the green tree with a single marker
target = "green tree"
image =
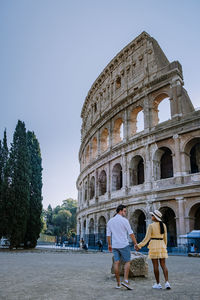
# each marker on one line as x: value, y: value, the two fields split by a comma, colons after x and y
x: 34, y: 222
x: 71, y: 205
x: 18, y: 205
x: 61, y: 220
x: 4, y: 185
x: 49, y: 214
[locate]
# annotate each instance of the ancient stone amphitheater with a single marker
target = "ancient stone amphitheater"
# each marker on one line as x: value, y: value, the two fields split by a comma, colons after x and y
x: 152, y: 166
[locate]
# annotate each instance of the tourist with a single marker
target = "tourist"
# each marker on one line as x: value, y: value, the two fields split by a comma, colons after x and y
x: 157, y: 234
x: 100, y: 245
x: 119, y: 228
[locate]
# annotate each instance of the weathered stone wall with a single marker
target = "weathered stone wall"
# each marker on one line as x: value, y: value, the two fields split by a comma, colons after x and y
x: 156, y: 168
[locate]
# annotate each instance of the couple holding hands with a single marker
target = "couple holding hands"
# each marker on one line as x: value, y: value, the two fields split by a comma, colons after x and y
x: 119, y: 228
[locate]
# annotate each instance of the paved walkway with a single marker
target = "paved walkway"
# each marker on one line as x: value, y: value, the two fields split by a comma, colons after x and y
x: 57, y: 275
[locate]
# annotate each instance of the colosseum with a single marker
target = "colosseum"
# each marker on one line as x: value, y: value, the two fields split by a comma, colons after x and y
x: 152, y: 166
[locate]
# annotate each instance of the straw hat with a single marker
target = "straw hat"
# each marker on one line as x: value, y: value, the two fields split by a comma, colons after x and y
x: 157, y: 214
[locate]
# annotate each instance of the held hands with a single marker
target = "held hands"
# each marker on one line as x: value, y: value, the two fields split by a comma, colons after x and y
x: 109, y: 248
x: 136, y: 247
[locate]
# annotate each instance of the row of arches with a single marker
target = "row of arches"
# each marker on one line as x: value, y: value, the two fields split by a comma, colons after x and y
x: 138, y: 222
x: 135, y: 121
x: 162, y: 168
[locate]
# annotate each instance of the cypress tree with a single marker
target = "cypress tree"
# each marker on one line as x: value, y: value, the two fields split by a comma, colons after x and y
x: 1, y: 200
x: 34, y: 223
x: 18, y: 206
x: 4, y: 186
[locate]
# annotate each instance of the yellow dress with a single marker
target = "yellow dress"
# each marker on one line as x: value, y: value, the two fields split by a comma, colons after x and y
x: 157, y: 248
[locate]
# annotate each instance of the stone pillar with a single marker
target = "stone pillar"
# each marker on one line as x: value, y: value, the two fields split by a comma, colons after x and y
x: 177, y: 157
x: 147, y: 168
x: 90, y: 152
x: 148, y: 116
x: 82, y: 227
x: 124, y: 172
x: 98, y: 143
x: 181, y: 228
x: 88, y: 189
x: 125, y: 129
x: 109, y: 188
x: 110, y: 134
x: 87, y: 230
x: 176, y: 90
x: 95, y: 227
x: 96, y: 192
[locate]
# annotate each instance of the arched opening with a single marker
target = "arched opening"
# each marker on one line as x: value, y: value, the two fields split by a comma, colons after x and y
x: 140, y: 121
x: 118, y: 127
x: 117, y: 177
x: 166, y: 165
x: 192, y: 156
x: 136, y: 170
x: 94, y: 147
x: 102, y: 183
x: 163, y: 164
x: 102, y: 229
x: 92, y: 187
x: 136, y: 120
x: 104, y: 140
x: 118, y: 83
x: 121, y: 129
x: 138, y: 224
x: 195, y: 158
x: 91, y: 240
x: 169, y: 218
x: 161, y: 109
x: 194, y: 216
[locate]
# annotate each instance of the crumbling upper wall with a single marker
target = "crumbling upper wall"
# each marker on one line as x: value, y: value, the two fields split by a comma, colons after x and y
x: 139, y: 67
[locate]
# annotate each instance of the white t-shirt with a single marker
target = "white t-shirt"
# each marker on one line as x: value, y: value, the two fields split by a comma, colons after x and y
x: 119, y: 228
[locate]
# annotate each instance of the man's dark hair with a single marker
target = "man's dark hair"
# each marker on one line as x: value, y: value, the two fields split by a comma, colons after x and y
x: 120, y: 207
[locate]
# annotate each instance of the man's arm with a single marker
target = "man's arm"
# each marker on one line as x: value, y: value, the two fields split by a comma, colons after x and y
x: 109, y: 244
x: 132, y: 236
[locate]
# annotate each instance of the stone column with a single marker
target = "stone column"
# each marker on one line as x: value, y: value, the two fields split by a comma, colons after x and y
x: 148, y: 115
x: 78, y: 227
x: 98, y: 143
x: 110, y: 134
x: 87, y: 230
x: 109, y: 188
x: 82, y: 228
x: 96, y: 227
x: 96, y: 186
x: 125, y: 129
x: 147, y: 168
x: 88, y: 189
x: 124, y: 172
x: 181, y: 228
x: 177, y: 157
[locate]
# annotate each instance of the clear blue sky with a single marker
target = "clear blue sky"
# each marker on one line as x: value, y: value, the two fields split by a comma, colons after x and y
x: 51, y: 51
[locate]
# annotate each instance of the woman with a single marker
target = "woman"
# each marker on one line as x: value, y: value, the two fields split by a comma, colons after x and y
x: 157, y: 234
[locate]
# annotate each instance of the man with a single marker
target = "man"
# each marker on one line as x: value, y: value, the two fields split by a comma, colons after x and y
x: 119, y: 228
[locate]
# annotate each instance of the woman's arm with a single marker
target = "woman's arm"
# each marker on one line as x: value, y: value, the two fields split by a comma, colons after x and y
x: 165, y: 234
x: 147, y: 237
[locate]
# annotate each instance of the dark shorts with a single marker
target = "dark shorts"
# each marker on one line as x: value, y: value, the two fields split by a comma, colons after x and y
x: 124, y: 253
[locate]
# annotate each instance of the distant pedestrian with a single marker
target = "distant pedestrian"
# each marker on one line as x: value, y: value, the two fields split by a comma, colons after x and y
x: 119, y: 229
x: 157, y: 235
x: 100, y: 245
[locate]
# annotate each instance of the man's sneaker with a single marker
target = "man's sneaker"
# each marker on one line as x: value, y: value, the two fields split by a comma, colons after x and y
x: 167, y: 285
x: 118, y: 286
x: 126, y: 285
x: 157, y: 286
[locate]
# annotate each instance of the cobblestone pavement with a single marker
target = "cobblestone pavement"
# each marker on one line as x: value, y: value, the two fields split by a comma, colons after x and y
x: 42, y: 274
